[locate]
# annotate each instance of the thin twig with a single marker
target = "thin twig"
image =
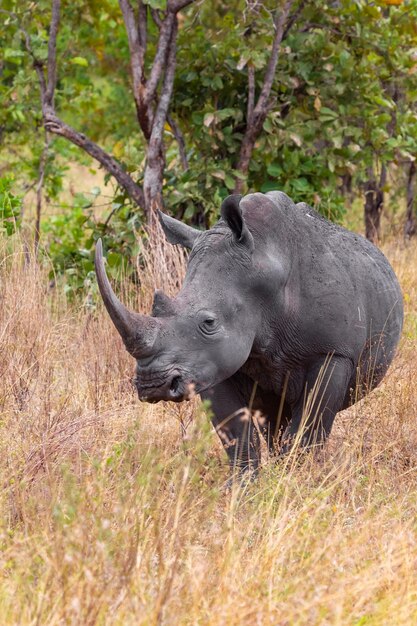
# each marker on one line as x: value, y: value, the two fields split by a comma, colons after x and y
x: 251, y: 92
x: 162, y: 51
x: 51, y: 67
x: 180, y: 140
x: 279, y: 24
x: 293, y: 18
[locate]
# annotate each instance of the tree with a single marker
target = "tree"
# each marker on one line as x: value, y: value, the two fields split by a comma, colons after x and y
x: 228, y: 96
x: 151, y: 104
x: 152, y: 93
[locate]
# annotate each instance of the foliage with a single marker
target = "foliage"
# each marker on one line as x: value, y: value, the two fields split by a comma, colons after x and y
x: 72, y: 233
x: 333, y: 100
x: 342, y: 106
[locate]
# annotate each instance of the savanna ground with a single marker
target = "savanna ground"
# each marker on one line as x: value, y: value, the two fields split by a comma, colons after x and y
x: 114, y: 512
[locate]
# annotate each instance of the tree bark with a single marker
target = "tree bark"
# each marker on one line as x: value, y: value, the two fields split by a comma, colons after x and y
x: 374, y: 203
x: 155, y: 161
x: 410, y: 227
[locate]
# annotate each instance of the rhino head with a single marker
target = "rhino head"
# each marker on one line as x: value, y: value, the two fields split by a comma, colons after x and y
x: 205, y: 334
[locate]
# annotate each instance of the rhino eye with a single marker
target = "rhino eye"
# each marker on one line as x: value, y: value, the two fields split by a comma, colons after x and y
x: 209, y: 325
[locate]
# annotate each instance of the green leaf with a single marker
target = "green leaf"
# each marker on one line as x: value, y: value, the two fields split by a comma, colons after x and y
x: 274, y: 170
x: 79, y: 61
x: 327, y: 115
x: 269, y: 186
x: 230, y: 182
x: 223, y: 114
x: 13, y: 55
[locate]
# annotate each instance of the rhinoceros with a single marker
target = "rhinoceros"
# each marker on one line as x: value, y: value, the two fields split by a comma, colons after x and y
x: 280, y: 308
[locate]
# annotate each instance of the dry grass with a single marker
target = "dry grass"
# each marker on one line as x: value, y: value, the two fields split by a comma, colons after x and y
x: 113, y: 511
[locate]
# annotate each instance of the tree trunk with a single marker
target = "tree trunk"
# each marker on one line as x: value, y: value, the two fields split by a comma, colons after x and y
x: 374, y: 202
x: 152, y: 183
x: 410, y: 227
x: 246, y: 150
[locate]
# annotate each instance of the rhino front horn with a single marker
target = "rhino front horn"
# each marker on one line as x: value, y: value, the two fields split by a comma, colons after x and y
x: 137, y: 331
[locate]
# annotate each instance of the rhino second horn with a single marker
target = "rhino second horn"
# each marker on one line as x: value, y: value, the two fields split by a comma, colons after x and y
x: 162, y: 304
x: 137, y: 331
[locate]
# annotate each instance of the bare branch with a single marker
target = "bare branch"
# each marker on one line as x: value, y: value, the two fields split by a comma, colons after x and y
x: 156, y: 18
x: 55, y: 125
x: 136, y: 30
x: 142, y: 25
x: 155, y: 164
x: 41, y: 77
x: 180, y: 140
x: 137, y: 42
x: 273, y: 59
x: 178, y: 5
x: 166, y: 93
x: 293, y: 18
x: 51, y: 67
x: 166, y: 28
x: 159, y: 61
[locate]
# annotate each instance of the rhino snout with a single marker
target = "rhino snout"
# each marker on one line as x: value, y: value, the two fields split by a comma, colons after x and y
x: 174, y: 388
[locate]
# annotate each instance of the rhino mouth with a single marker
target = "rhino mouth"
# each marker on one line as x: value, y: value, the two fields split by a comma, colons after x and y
x: 172, y: 387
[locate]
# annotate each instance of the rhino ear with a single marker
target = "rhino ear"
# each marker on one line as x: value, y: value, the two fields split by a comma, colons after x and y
x: 232, y: 215
x: 178, y: 233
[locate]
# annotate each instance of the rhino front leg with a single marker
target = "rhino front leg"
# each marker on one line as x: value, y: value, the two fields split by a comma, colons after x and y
x: 233, y: 423
x: 323, y: 396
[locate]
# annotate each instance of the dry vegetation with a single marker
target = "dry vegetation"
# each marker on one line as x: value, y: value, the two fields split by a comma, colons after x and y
x: 113, y: 512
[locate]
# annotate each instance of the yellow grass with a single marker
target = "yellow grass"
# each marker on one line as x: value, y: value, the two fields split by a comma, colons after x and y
x: 113, y: 512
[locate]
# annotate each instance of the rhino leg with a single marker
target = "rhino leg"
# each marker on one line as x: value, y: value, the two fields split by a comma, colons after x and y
x: 325, y: 391
x: 233, y: 423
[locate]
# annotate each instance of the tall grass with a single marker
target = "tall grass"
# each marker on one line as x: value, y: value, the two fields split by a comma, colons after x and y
x: 113, y: 512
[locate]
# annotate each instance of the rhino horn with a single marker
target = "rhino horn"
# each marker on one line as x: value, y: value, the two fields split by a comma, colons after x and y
x: 162, y: 304
x: 137, y: 331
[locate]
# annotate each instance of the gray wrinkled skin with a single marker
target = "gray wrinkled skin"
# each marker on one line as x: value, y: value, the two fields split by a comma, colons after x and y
x: 273, y: 293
